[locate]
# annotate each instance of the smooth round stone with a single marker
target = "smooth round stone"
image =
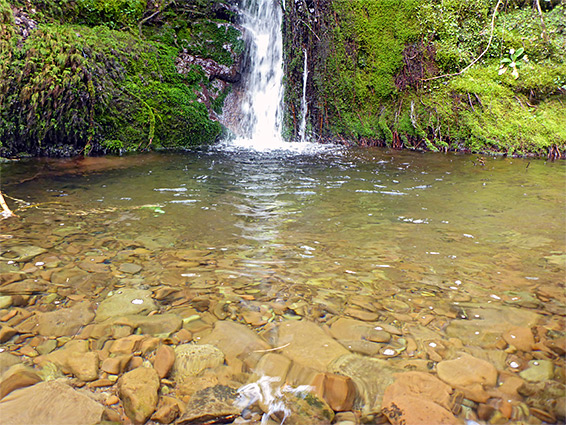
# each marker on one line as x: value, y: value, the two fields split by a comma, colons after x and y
x: 130, y: 268
x: 5, y: 301
x: 191, y: 359
x: 125, y: 301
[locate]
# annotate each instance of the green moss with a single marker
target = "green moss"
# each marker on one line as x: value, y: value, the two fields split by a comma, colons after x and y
x: 114, y: 13
x: 376, y: 58
x: 208, y: 39
x: 78, y: 86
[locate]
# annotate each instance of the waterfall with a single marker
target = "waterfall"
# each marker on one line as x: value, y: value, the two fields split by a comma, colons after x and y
x: 304, y: 106
x: 260, y: 116
x: 262, y: 104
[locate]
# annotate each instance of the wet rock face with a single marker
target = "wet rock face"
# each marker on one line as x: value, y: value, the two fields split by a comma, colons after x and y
x: 212, y: 69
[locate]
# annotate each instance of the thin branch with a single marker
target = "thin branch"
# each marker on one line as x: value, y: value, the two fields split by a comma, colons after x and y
x: 145, y: 20
x: 543, y: 26
x: 482, y: 53
x: 6, y: 211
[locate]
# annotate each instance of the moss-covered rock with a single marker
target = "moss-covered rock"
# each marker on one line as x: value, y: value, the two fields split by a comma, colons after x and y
x: 101, y: 76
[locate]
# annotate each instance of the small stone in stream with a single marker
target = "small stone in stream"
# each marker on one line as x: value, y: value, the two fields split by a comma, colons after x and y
x: 116, y: 365
x: 538, y: 371
x: 50, y: 403
x: 17, y: 376
x: 254, y: 318
x: 167, y: 411
x: 304, y: 408
x: 26, y: 287
x: 84, y: 366
x: 337, y: 390
x: 361, y: 347
x: 7, y: 360
x: 21, y: 253
x: 235, y: 340
x: 6, y: 333
x: 216, y: 403
x: 125, y: 301
x: 468, y: 374
x: 130, y: 268
x: 138, y: 391
x: 164, y: 360
x: 520, y: 338
x: 191, y: 359
x: 5, y: 301
x: 158, y: 324
x: 349, y: 329
x: 28, y: 350
x: 113, y: 399
x: 371, y: 377
x: 407, y: 410
x: 419, y: 385
x: 46, y: 347
x: 127, y: 345
x: 308, y: 345
x: 184, y: 336
x: 366, y: 316
x: 273, y: 364
x: 65, y: 321
x: 93, y: 267
x: 558, y: 345
x: 60, y: 357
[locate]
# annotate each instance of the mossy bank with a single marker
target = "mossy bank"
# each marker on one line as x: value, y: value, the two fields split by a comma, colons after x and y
x: 479, y: 76
x: 94, y: 76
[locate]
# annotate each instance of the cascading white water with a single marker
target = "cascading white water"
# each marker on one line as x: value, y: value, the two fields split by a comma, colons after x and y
x: 304, y: 106
x: 262, y: 105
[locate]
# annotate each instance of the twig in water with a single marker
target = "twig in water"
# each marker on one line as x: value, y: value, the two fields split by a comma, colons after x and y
x: 272, y: 349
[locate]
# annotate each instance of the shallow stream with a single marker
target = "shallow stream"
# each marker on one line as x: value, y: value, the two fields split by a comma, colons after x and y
x: 420, y: 242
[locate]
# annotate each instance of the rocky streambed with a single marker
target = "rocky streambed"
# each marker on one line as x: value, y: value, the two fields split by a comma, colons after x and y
x: 121, y: 337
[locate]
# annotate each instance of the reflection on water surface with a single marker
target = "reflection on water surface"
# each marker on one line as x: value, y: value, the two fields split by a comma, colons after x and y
x: 438, y: 254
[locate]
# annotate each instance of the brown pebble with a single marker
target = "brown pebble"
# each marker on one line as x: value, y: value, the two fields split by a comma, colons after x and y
x: 485, y: 412
x: 29, y: 351
x: 167, y: 411
x: 135, y: 363
x: 113, y: 399
x: 543, y: 415
x: 164, y: 359
x: 184, y: 336
x: 103, y: 382
x: 506, y: 408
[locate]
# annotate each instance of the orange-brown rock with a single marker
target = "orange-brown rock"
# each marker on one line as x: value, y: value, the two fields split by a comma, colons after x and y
x: 520, y: 337
x: 164, y: 360
x: 337, y: 390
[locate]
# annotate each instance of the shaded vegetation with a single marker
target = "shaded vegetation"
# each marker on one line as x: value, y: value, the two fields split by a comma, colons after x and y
x: 377, y: 72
